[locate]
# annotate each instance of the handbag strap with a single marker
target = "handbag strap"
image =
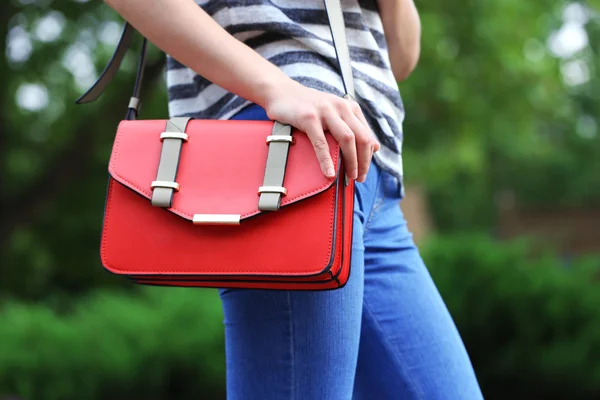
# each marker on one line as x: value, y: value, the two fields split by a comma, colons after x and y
x: 335, y: 16
x: 340, y: 43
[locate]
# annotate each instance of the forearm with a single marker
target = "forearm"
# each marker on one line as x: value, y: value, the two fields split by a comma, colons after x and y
x: 187, y: 33
x: 402, y: 27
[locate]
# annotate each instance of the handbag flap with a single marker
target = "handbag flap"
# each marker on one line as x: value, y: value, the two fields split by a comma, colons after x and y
x: 221, y: 165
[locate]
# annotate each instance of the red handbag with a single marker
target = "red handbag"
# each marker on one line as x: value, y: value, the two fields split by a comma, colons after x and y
x: 225, y: 203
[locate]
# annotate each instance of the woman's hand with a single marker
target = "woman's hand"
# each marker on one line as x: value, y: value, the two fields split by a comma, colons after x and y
x: 185, y: 31
x: 315, y: 112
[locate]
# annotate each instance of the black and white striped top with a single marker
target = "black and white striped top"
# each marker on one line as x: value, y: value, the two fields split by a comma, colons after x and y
x: 294, y: 35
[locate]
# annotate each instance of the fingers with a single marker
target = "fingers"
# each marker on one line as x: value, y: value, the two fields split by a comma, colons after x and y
x: 344, y: 135
x: 364, y: 145
x: 314, y: 131
x: 344, y: 120
x: 359, y: 114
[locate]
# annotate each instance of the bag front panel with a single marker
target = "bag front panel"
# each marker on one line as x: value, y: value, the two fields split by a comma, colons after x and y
x: 335, y: 277
x: 141, y: 239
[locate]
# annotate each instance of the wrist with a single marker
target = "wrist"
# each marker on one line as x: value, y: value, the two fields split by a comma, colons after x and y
x: 270, y: 89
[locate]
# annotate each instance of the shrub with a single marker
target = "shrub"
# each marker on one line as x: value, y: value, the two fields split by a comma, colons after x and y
x: 159, y: 344
x: 531, y: 323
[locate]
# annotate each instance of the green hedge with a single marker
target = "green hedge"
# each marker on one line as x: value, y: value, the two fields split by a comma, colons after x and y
x: 530, y: 321
x: 161, y: 343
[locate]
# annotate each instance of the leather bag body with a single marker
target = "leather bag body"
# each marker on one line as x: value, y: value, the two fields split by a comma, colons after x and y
x: 225, y: 203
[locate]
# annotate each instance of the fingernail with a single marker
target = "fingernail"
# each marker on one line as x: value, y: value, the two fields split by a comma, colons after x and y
x: 362, y: 178
x: 354, y: 174
x: 330, y: 172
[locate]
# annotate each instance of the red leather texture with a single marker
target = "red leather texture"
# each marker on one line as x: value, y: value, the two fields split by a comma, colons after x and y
x: 325, y: 281
x: 306, y: 245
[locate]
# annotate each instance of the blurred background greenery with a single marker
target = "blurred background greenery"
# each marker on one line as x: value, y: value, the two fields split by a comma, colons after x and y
x: 502, y: 156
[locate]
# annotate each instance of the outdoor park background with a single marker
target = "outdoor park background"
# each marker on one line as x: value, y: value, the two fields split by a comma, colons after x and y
x: 502, y: 157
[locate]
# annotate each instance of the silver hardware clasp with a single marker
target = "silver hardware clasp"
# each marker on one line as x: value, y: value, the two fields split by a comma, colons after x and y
x: 217, y: 219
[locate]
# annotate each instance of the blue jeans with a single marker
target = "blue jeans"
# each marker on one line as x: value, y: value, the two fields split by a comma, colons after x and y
x: 386, y: 335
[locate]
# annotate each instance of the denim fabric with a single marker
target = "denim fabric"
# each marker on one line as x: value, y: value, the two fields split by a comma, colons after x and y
x: 386, y: 335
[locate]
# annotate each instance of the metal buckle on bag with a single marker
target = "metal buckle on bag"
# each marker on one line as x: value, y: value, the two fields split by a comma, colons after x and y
x: 134, y: 103
x: 216, y: 219
x: 174, y: 135
x: 281, y: 138
x: 165, y: 184
x: 272, y: 189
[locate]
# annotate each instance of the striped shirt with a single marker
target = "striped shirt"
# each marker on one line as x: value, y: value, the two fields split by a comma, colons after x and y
x: 295, y: 36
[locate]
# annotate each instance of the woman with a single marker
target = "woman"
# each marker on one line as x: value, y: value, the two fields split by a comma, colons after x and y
x: 272, y: 59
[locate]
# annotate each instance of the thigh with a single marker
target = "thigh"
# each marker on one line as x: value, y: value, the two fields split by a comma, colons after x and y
x: 295, y: 345
x: 410, y: 347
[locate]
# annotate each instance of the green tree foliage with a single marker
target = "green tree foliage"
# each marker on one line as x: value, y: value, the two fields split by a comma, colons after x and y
x: 504, y: 99
x: 54, y: 154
